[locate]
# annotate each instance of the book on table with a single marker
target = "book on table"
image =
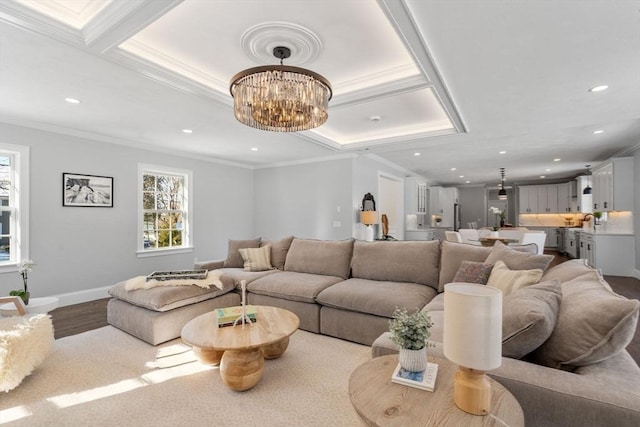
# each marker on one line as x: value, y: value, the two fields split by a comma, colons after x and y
x: 424, y: 380
x: 228, y: 315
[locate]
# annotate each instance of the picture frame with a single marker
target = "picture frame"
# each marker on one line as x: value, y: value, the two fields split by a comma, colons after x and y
x: 82, y: 190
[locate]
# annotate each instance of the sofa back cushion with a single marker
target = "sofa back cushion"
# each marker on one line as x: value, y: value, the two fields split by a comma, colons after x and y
x: 234, y: 259
x: 397, y: 261
x: 279, y: 249
x: 326, y: 257
x: 519, y: 258
x: 568, y: 270
x: 451, y: 256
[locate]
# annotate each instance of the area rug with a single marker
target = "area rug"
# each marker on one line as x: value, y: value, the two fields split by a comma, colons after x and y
x: 106, y: 377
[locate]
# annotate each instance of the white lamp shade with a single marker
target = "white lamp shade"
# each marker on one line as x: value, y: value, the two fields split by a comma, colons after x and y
x: 473, y: 325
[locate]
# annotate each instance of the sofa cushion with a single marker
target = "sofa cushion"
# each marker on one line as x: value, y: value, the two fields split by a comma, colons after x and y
x: 410, y: 262
x: 292, y: 286
x: 279, y: 249
x: 568, y: 270
x: 528, y: 317
x: 451, y: 256
x: 324, y: 257
x: 508, y: 280
x: 235, y: 275
x: 517, y: 259
x: 256, y: 259
x: 594, y: 324
x: 377, y: 297
x: 473, y: 272
x: 234, y: 259
x: 165, y: 298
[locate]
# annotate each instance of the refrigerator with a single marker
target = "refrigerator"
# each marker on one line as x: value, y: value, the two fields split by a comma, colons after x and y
x: 457, y: 223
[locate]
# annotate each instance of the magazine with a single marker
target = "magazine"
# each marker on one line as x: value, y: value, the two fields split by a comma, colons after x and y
x: 424, y: 380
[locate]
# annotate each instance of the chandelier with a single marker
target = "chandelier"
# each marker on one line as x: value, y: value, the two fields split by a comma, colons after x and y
x: 280, y: 98
x: 502, y: 193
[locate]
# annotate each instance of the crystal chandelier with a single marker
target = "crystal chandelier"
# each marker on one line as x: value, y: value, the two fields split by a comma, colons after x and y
x: 280, y: 98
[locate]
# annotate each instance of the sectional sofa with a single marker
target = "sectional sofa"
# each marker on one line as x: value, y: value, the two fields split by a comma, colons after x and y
x: 564, y: 332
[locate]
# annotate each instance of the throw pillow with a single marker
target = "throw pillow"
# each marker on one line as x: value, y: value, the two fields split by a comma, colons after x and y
x: 234, y: 259
x: 256, y: 259
x: 517, y: 260
x: 508, y: 280
x: 473, y: 272
x: 594, y: 324
x: 279, y: 249
x: 528, y: 317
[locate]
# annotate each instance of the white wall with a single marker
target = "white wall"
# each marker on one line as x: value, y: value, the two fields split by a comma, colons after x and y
x: 79, y: 249
x: 303, y: 200
x: 636, y: 209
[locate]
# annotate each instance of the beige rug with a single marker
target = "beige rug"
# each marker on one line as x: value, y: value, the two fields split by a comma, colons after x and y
x: 106, y: 377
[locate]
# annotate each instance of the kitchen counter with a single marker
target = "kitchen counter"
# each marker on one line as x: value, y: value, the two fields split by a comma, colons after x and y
x: 605, y: 232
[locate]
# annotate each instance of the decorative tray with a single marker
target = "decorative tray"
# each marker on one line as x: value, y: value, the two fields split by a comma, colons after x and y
x: 177, y: 274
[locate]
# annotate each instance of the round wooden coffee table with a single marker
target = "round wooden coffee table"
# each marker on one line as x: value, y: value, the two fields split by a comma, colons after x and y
x: 240, y: 350
x: 379, y: 402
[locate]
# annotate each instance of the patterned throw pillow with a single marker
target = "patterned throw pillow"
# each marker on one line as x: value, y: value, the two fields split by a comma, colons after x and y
x: 256, y: 259
x: 511, y: 280
x: 473, y: 272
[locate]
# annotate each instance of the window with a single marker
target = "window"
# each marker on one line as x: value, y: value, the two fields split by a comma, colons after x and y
x: 14, y: 205
x: 164, y: 216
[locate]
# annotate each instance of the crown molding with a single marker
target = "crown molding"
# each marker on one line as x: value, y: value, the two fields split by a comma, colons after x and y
x: 26, y: 18
x: 307, y: 161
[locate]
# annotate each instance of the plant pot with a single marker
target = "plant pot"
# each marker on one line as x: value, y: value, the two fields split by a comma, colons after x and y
x: 502, y: 222
x: 413, y: 360
x: 22, y: 294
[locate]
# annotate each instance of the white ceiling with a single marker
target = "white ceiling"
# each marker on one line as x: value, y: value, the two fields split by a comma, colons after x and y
x: 457, y: 82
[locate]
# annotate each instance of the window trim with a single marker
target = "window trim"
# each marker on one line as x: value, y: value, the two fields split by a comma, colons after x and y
x: 188, y: 229
x: 20, y: 154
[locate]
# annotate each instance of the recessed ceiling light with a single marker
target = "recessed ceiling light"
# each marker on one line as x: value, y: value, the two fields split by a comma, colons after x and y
x: 461, y: 176
x: 187, y: 131
x: 502, y: 152
x: 72, y: 100
x: 597, y: 132
x: 416, y: 154
x: 556, y: 160
x: 467, y: 182
x: 547, y: 170
x: 254, y: 148
x: 599, y: 88
x: 542, y: 176
x: 375, y: 119
x: 453, y: 169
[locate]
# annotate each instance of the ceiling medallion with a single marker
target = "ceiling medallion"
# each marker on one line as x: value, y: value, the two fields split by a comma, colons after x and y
x: 259, y: 41
x: 280, y: 98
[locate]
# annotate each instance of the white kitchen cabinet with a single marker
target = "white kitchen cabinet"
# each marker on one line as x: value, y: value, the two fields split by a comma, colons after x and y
x: 570, y: 245
x: 436, y: 196
x: 613, y: 254
x: 584, y: 202
x: 528, y: 199
x: 415, y: 190
x: 428, y: 234
x: 613, y: 185
x: 564, y: 198
x: 547, y: 199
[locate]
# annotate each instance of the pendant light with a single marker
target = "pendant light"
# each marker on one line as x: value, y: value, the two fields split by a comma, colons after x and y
x: 502, y: 194
x: 588, y: 189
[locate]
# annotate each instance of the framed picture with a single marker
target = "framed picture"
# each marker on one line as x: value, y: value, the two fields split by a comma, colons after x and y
x: 87, y: 190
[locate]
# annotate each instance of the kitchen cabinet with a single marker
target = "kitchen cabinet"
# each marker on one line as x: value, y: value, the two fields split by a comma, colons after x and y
x: 613, y: 254
x: 584, y: 202
x: 415, y: 190
x: 528, y: 199
x: 436, y: 196
x: 613, y: 184
x: 427, y: 234
x: 547, y: 199
x: 570, y: 246
x: 564, y: 198
x: 450, y: 197
x: 551, y: 240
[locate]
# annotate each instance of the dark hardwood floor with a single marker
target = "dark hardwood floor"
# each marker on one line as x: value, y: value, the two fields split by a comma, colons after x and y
x: 75, y: 319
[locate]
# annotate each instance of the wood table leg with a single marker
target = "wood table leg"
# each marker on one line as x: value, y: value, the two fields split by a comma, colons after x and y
x: 208, y: 356
x: 241, y: 370
x: 275, y: 350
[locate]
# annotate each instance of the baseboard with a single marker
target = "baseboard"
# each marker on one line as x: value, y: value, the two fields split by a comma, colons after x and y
x: 78, y: 297
x: 636, y: 273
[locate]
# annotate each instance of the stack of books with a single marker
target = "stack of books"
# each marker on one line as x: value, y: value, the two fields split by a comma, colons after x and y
x: 227, y: 316
x: 424, y: 380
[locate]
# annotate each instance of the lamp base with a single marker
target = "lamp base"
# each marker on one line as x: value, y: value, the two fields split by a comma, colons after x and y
x: 472, y: 391
x: 369, y: 234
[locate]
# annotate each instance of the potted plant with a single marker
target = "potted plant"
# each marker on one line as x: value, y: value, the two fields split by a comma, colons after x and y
x: 24, y: 268
x: 411, y: 332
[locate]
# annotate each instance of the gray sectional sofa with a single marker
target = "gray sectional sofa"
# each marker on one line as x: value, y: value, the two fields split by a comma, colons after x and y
x: 564, y: 338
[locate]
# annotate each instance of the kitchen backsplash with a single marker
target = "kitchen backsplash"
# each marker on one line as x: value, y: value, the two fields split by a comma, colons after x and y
x: 615, y: 222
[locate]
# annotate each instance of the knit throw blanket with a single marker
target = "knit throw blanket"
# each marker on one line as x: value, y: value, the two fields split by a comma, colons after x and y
x: 140, y: 282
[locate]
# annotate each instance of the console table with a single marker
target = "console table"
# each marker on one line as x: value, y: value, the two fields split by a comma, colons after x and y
x: 379, y: 402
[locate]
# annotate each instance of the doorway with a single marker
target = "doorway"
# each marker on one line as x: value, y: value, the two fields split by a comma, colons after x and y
x: 391, y: 203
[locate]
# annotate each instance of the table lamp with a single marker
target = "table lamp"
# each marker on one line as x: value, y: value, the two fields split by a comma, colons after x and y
x: 369, y: 218
x: 473, y: 341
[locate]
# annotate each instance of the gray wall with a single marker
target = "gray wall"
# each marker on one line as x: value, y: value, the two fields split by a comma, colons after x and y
x: 80, y: 249
x: 473, y: 202
x: 636, y: 209
x: 303, y: 200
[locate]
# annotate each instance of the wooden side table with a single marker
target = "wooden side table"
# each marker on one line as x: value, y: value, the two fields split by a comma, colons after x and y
x: 36, y: 305
x: 379, y: 402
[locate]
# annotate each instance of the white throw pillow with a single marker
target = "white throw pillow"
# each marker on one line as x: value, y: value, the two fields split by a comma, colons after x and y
x: 257, y: 259
x: 511, y: 280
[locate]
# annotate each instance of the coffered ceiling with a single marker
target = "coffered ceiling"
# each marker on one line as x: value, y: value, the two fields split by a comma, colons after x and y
x: 457, y: 82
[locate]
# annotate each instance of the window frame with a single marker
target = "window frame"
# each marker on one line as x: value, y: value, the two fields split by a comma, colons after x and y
x: 187, y: 230
x: 19, y: 205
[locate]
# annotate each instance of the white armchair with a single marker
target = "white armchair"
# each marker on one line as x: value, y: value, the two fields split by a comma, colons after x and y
x: 535, y: 237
